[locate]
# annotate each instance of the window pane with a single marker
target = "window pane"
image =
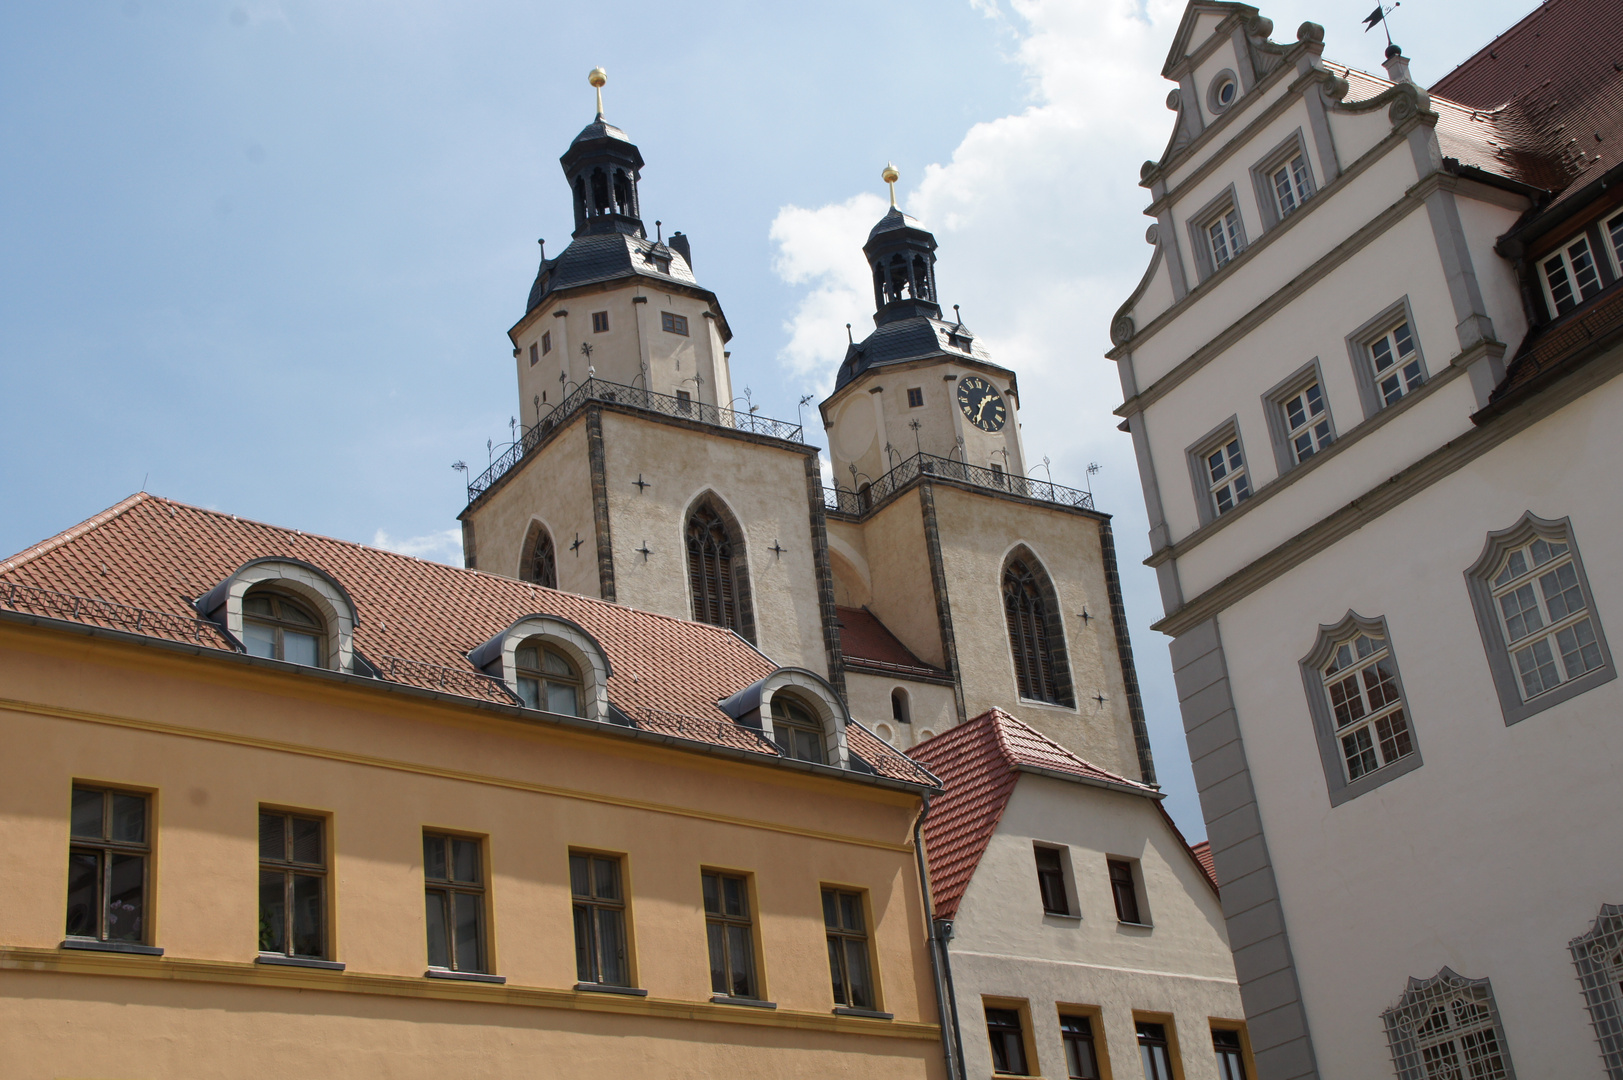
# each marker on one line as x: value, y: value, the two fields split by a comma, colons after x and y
x: 257, y: 605
x: 259, y: 639
x: 741, y: 956
x: 606, y: 878
x: 465, y: 857
x: 126, y: 897
x: 1359, y: 752
x: 851, y: 911
x: 307, y: 843
x: 836, y: 971
x: 737, y: 901
x: 129, y: 818
x: 1579, y: 651
x: 718, y: 958
x: 469, y: 919
x: 439, y: 940
x: 585, y: 970
x: 554, y: 664
x: 84, y: 886
x: 712, y: 894
x: 86, y: 820
x: 529, y: 691
x: 1561, y: 592
x: 434, y: 856
x: 579, y: 881
x: 272, y: 838
x: 300, y: 648
x: 611, y: 946
x: 1537, y: 667
x: 562, y: 699
x: 309, y: 915
x: 272, y: 912
x: 831, y: 915
x: 856, y: 967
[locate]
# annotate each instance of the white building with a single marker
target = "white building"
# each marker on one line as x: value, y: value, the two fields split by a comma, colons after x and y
x: 1370, y: 379
x: 1086, y: 938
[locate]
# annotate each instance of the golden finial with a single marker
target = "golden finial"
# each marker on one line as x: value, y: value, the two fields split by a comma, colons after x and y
x: 890, y: 176
x: 597, y: 77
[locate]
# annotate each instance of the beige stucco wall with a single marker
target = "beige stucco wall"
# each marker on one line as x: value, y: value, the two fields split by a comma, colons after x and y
x: 1004, y: 946
x: 930, y: 707
x: 553, y: 487
x: 892, y: 540
x: 213, y: 740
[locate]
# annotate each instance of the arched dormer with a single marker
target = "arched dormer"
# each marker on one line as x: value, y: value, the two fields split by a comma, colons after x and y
x: 269, y: 605
x: 1036, y: 629
x: 537, y: 637
x: 718, y: 567
x: 538, y: 558
x: 789, y: 704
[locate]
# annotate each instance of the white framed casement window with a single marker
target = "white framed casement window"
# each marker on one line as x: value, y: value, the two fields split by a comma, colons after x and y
x: 1569, y: 275
x: 1223, y: 237
x: 1613, y: 229
x: 1283, y: 180
x: 1387, y: 359
x: 1539, y: 626
x: 1218, y: 233
x: 1218, y: 468
x: 1360, y: 715
x: 1299, y: 417
x: 1448, y: 1026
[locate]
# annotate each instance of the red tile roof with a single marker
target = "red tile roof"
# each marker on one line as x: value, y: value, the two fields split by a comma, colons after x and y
x: 979, y: 763
x: 139, y: 565
x: 866, y: 642
x: 1203, y: 855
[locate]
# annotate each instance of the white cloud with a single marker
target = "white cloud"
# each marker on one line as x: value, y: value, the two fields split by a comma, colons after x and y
x: 444, y: 546
x: 818, y: 248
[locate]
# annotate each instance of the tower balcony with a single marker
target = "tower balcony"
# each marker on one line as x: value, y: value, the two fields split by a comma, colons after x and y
x: 867, y: 497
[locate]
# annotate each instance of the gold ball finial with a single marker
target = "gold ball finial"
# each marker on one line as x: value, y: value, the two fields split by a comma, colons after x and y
x: 890, y: 175
x: 597, y: 77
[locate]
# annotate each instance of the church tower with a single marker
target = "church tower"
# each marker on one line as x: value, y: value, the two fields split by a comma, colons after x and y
x: 635, y: 480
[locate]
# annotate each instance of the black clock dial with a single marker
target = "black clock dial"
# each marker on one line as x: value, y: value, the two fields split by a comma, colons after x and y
x: 982, y: 403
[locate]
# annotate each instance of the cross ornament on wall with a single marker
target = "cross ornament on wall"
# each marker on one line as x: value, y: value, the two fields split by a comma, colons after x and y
x: 1086, y: 618
x: 575, y: 547
x: 776, y: 549
x: 641, y: 483
x: 644, y: 552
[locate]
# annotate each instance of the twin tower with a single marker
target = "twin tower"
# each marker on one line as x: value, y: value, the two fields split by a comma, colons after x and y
x: 934, y: 581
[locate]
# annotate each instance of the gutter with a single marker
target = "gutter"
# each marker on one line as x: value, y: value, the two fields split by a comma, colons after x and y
x: 946, y: 995
x: 510, y: 712
x: 1109, y: 785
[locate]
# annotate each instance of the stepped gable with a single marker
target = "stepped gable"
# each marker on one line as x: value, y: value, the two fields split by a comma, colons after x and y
x: 979, y: 763
x: 158, y: 556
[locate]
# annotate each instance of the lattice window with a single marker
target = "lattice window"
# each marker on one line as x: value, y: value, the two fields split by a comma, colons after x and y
x: 1223, y: 237
x: 710, y: 569
x: 1366, y: 704
x: 1397, y: 364
x: 1447, y: 1028
x: 1598, y: 956
x: 1570, y: 275
x: 1227, y: 481
x: 1031, y: 611
x: 1307, y: 422
x: 1291, y: 184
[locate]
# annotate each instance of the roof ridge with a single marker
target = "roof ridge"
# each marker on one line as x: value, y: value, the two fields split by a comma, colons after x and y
x: 73, y: 532
x: 1000, y: 716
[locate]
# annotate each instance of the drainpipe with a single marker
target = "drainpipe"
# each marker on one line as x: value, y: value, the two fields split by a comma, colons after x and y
x: 952, y: 1046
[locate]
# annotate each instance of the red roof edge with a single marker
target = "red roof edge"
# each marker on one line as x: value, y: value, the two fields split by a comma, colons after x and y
x: 1207, y: 873
x: 72, y: 532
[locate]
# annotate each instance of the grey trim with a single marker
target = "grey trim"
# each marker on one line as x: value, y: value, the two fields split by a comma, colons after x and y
x: 870, y: 1014
x: 596, y: 458
x: 1263, y: 963
x: 1227, y: 199
x: 1293, y: 146
x: 825, y: 576
x: 1479, y: 583
x: 93, y: 945
x: 276, y: 960
x: 1160, y: 535
x: 1215, y: 107
x: 1471, y: 312
x: 1124, y: 654
x: 606, y: 988
x: 470, y: 559
x: 1323, y: 141
x: 1195, y: 455
x: 943, y: 605
x: 1177, y: 267
x: 1324, y: 729
x: 1273, y: 405
x: 464, y: 976
x: 754, y: 1003
x: 1363, y: 361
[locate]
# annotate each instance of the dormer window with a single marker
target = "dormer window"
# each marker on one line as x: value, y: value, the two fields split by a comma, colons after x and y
x: 277, y: 628
x: 796, y: 731
x: 1570, y: 275
x: 547, y: 680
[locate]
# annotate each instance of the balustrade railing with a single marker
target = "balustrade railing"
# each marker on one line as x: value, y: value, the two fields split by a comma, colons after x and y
x: 663, y: 404
x: 869, y: 495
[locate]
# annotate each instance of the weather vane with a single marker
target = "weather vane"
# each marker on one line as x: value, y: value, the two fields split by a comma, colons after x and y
x: 597, y: 77
x: 890, y: 176
x: 1379, y: 16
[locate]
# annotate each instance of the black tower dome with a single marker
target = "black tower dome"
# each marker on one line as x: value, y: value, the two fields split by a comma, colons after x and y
x: 603, y: 167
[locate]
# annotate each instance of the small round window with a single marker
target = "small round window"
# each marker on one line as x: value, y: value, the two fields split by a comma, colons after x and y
x: 1225, y: 88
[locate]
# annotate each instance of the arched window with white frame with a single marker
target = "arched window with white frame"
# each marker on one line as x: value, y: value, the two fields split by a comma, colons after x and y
x: 1360, y: 716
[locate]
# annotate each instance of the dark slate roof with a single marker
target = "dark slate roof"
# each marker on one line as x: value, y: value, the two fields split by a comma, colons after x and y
x: 909, y: 339
x: 604, y: 257
x: 894, y: 220
x: 600, y: 129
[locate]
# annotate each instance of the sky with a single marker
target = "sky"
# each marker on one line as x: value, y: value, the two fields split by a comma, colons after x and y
x: 262, y: 256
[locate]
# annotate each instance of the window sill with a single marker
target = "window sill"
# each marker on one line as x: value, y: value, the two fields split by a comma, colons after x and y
x: 605, y: 988
x: 92, y: 945
x: 278, y: 960
x: 754, y: 1003
x: 1067, y: 916
x: 1136, y: 925
x: 464, y: 976
x: 869, y: 1014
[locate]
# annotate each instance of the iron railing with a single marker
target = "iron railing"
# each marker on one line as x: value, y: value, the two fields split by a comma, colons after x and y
x: 426, y: 676
x: 71, y: 607
x: 867, y: 496
x: 637, y: 398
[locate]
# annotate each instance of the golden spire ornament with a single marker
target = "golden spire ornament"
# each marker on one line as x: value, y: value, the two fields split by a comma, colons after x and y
x: 597, y: 77
x: 890, y: 176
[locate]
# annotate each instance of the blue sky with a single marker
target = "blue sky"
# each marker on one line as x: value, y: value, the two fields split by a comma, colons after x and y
x: 262, y: 256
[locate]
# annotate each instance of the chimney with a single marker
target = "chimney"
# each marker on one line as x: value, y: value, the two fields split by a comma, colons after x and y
x: 679, y: 243
x: 1397, y: 65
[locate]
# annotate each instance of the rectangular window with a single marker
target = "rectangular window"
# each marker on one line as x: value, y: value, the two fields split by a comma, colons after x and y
x: 546, y: 343
x: 1008, y: 1042
x: 1051, y: 881
x: 1124, y: 890
x: 292, y: 885
x: 108, y: 855
x: 600, y: 322
x: 1154, y: 1051
x: 1614, y: 234
x: 455, y: 902
x: 684, y: 401
x: 915, y: 396
x: 1291, y: 185
x: 1081, y: 1058
x: 846, y: 927
x: 1226, y: 481
x: 535, y: 354
x: 1307, y: 422
x: 1230, y: 1057
x: 1570, y: 275
x: 600, y: 920
x: 1396, y: 363
x: 731, y: 935
x: 1223, y: 238
x: 672, y: 323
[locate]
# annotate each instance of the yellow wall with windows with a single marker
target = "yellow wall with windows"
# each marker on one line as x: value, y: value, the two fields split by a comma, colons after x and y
x: 214, y: 739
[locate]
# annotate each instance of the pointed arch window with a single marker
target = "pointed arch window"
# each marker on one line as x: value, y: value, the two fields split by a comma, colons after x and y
x: 716, y: 571
x: 540, y: 559
x: 600, y: 192
x: 1036, y: 638
x: 921, y: 279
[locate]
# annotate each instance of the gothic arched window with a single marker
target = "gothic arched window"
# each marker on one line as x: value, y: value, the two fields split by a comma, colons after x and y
x: 540, y: 558
x: 1035, y: 635
x: 715, y: 571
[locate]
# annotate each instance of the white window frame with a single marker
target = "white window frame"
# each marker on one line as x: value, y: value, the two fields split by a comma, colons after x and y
x: 1505, y: 637
x: 1225, y: 208
x: 1335, y: 722
x: 1236, y: 480
x: 1319, y: 427
x: 1222, y: 234
x: 1569, y: 271
x: 1612, y: 230
x: 1382, y: 388
x: 1291, y: 156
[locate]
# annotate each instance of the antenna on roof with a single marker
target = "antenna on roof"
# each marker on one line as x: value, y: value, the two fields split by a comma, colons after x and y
x: 543, y: 244
x: 659, y: 232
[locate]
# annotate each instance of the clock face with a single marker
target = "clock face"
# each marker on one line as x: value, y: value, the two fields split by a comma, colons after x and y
x: 982, y: 403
